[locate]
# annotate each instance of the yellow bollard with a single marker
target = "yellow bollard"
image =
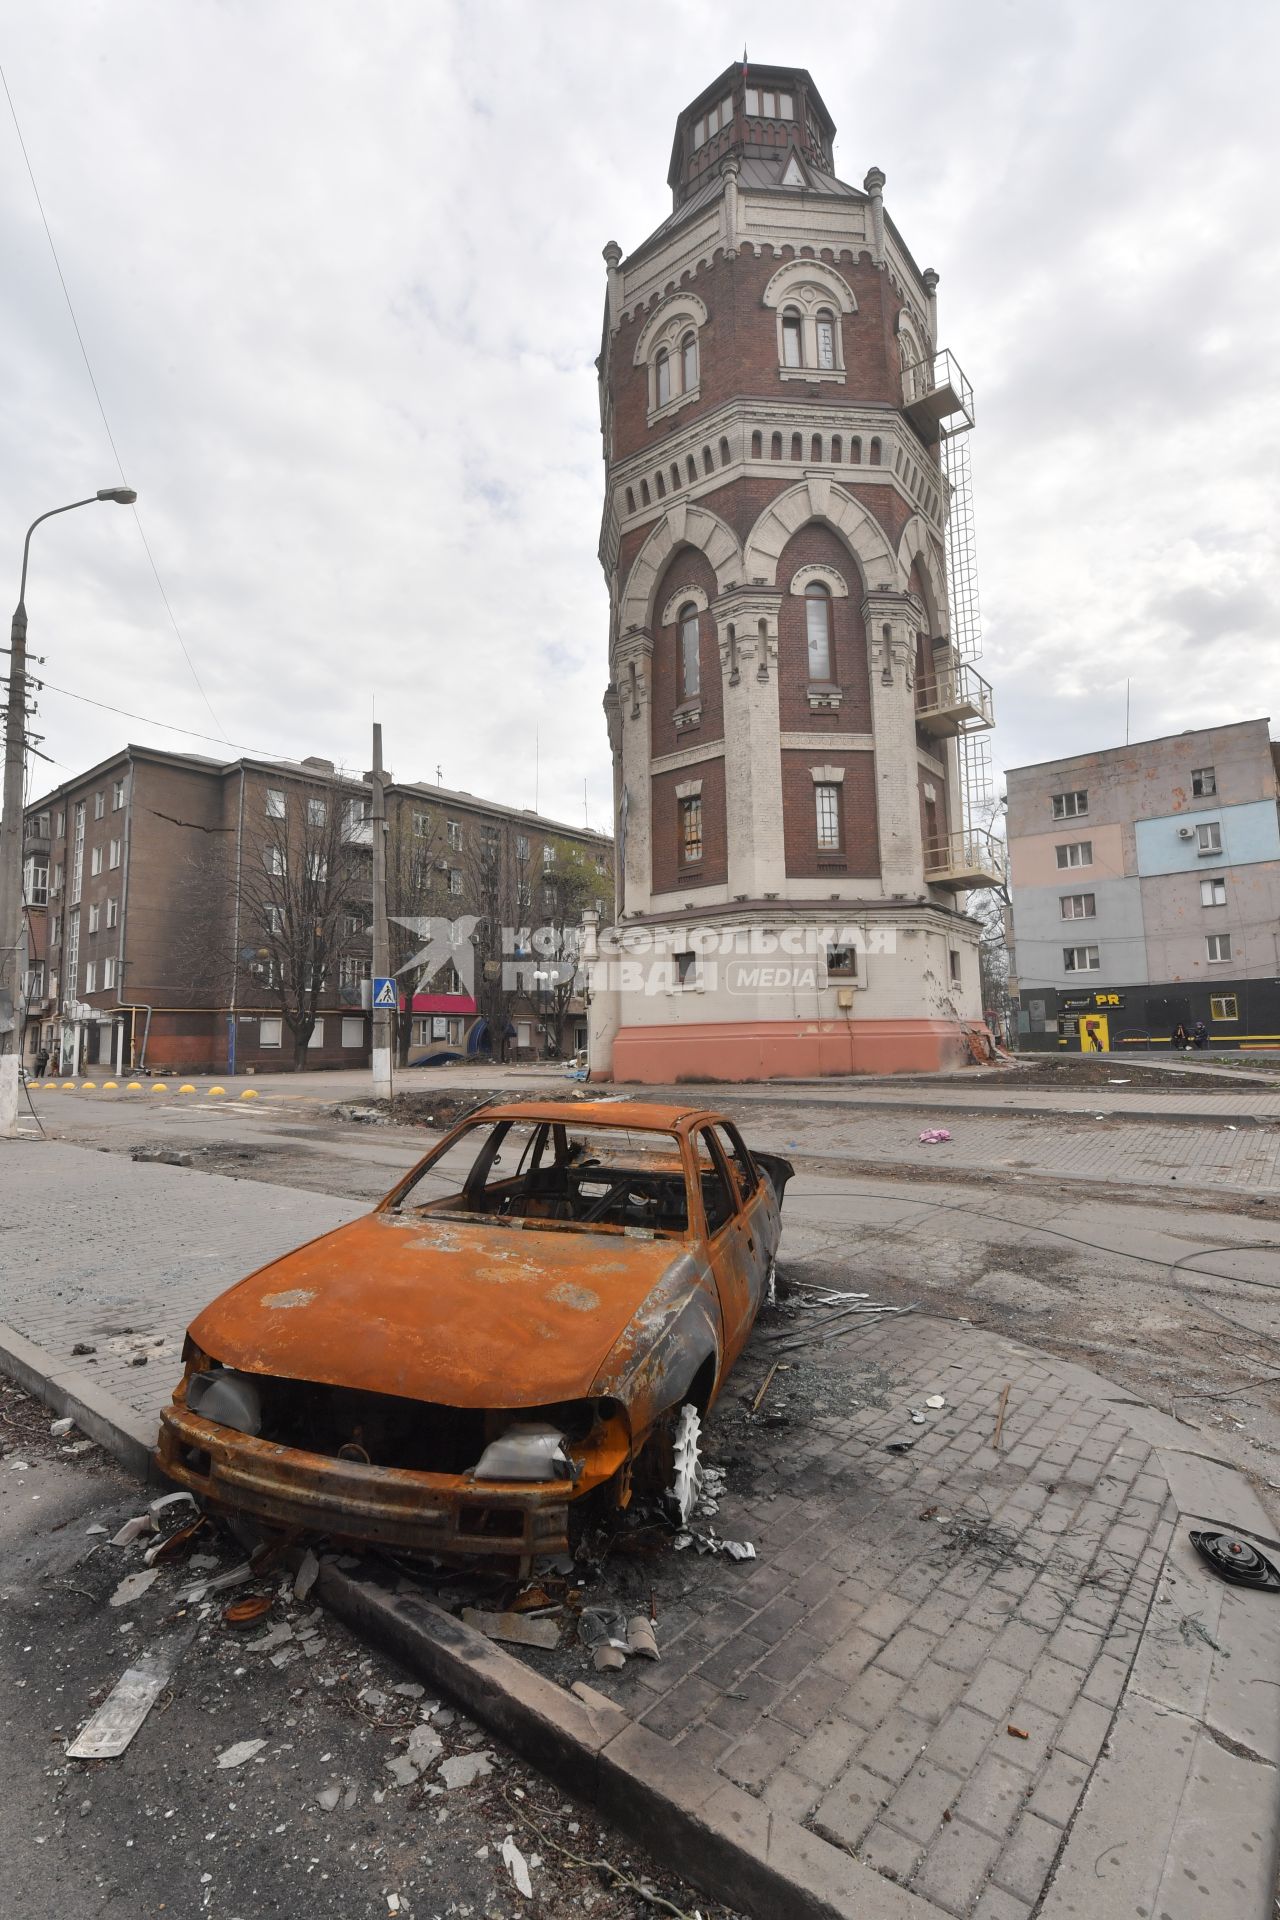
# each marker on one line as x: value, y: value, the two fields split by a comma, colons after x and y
x: 88, y: 1086
x: 186, y: 1087
x: 111, y: 1086
x: 214, y: 1090
x: 158, y: 1086
x: 134, y: 1086
x: 68, y: 1086
x: 250, y: 1093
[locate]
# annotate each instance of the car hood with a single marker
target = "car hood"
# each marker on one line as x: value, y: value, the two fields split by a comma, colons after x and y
x: 459, y: 1313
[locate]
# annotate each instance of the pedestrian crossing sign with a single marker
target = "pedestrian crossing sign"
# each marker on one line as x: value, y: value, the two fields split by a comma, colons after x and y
x: 385, y: 994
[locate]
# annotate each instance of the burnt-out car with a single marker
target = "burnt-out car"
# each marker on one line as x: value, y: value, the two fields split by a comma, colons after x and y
x: 533, y: 1323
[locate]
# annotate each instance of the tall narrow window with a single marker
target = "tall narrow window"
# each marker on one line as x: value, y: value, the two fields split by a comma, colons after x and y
x: 757, y: 446
x: 826, y: 797
x: 662, y: 373
x: 689, y: 680
x: 791, y: 339
x: 837, y: 445
x: 724, y: 451
x: 826, y: 340
x: 775, y: 447
x: 817, y: 615
x: 797, y: 446
x: 691, y: 830
x: 874, y: 459
x: 689, y: 361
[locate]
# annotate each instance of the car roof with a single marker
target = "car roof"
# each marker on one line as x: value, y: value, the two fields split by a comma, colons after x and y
x: 641, y: 1116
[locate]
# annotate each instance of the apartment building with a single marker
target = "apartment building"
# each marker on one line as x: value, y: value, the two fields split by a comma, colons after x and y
x: 1145, y: 890
x: 172, y: 900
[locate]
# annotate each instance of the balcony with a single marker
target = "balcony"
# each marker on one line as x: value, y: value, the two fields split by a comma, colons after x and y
x: 964, y: 862
x: 953, y: 700
x: 936, y: 397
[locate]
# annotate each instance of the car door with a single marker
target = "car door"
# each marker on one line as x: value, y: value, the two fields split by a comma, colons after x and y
x: 733, y: 1250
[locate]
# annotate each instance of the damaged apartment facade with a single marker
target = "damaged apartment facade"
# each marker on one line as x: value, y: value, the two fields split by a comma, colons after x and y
x: 161, y: 889
x: 1145, y: 888
x: 798, y: 731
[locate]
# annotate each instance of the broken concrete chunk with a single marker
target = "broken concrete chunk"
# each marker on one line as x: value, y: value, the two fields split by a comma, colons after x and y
x: 273, y: 1638
x: 642, y: 1641
x: 242, y: 1750
x: 402, y: 1771
x: 372, y: 1697
x: 60, y: 1428
x: 328, y: 1798
x: 133, y: 1586
x: 936, y: 1401
x: 516, y: 1628
x: 464, y: 1769
x: 424, y: 1748
x: 608, y: 1658
x: 97, y: 1527
x: 409, y: 1690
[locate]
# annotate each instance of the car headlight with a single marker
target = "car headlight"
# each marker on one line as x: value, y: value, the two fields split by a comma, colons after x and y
x: 528, y: 1450
x: 231, y: 1399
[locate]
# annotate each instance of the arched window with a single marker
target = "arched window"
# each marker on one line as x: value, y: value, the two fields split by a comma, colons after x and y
x: 631, y: 501
x: 690, y: 468
x: 775, y: 447
x: 757, y: 446
x: 874, y: 456
x: 724, y: 451
x: 797, y: 447
x: 675, y: 478
x: 708, y: 464
x: 855, y: 451
x: 837, y: 448
x: 791, y: 356
x: 689, y: 361
x: 662, y: 374
x: 689, y: 678
x: 815, y: 449
x: 644, y: 493
x: 826, y: 329
x: 817, y: 620
x: 661, y: 485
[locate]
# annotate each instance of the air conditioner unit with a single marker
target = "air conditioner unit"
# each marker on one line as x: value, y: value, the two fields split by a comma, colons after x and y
x: 1186, y: 833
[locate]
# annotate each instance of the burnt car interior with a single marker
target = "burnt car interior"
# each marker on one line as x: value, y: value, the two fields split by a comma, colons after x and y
x: 542, y: 1172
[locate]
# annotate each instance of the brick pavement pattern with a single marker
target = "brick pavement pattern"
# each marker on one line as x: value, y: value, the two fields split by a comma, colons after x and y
x: 906, y: 1612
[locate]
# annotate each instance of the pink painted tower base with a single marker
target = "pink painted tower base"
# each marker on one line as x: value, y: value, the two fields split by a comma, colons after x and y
x: 787, y: 1050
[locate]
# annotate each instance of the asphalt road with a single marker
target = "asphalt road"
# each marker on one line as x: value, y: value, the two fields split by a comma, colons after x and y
x: 164, y: 1830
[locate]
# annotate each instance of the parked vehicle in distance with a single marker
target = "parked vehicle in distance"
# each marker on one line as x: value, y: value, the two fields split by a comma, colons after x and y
x: 533, y: 1323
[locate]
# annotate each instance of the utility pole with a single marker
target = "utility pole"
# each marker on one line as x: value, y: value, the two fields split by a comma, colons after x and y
x: 383, y: 1018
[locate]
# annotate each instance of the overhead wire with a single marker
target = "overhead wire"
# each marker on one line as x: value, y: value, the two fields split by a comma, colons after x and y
x: 168, y: 726
x: 84, y: 352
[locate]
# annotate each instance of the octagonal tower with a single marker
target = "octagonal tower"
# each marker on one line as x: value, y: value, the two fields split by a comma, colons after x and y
x: 795, y: 721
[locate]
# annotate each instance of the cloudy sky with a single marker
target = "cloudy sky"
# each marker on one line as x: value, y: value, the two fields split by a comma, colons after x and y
x: 337, y: 268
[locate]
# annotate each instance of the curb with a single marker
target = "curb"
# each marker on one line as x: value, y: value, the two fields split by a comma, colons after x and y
x: 65, y: 1389
x: 714, y: 1834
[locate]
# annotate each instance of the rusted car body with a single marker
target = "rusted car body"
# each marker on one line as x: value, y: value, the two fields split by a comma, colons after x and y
x: 454, y: 1371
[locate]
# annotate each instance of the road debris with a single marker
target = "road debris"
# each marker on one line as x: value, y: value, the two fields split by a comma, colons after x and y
x: 132, y: 1587
x: 517, y: 1866
x: 1004, y: 1402
x: 642, y: 1641
x: 247, y: 1613
x: 464, y: 1769
x: 899, y: 1446
x: 764, y: 1386
x: 1018, y: 1733
x: 517, y: 1628
x: 133, y: 1530
x: 1236, y: 1560
x: 934, y: 1136
x: 425, y: 1747
x: 60, y: 1428
x: 106, y: 1734
x: 936, y: 1402
x: 242, y: 1750
x: 306, y: 1576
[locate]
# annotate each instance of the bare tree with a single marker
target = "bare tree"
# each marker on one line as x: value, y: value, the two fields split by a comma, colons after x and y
x: 416, y: 881
x: 572, y: 881
x: 299, y: 882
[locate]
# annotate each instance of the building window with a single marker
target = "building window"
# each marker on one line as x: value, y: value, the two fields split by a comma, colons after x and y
x: 273, y: 918
x: 713, y: 123
x: 826, y: 797
x: 1204, y: 782
x: 687, y: 969
x: 1224, y: 1006
x: 1080, y: 959
x: 770, y: 105
x: 56, y: 886
x: 1213, y: 893
x: 113, y: 853
x: 1076, y: 853
x: 1077, y: 906
x: 662, y: 376
x: 95, y: 861
x: 775, y: 447
x: 1217, y: 946
x: 689, y: 362
x: 352, y: 1031
x: 1209, y: 837
x: 1067, y: 805
x: 90, y: 976
x: 873, y: 454
x: 691, y: 829
x: 953, y: 960
x: 317, y: 867
x: 522, y: 846
x: 317, y: 812
x: 455, y: 880
x: 826, y: 339
x: 273, y: 859
x: 275, y: 810
x: 421, y: 825
x: 99, y: 805
x: 817, y: 616
x: 61, y: 826
x: 55, y: 929
x: 113, y: 913
x: 757, y: 445
x: 352, y: 969
x: 791, y: 338
x: 837, y: 445
x: 117, y: 796
x: 94, y: 913
x: 35, y: 883
x: 689, y: 663
x: 842, y: 963
x: 453, y: 833
x: 109, y: 971
x: 548, y: 858
x: 270, y: 1033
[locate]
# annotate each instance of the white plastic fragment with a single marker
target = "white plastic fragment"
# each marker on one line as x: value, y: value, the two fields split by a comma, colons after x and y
x: 242, y: 1750
x: 936, y: 1401
x: 133, y: 1529
x: 166, y: 1503
x: 108, y: 1732
x: 306, y: 1576
x: 132, y: 1587
x: 517, y: 1866
x: 97, y: 1527
x: 739, y: 1549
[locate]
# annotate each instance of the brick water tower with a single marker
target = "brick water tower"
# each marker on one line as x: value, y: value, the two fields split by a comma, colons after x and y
x: 800, y: 767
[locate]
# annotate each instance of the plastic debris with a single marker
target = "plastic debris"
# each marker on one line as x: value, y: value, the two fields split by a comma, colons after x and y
x: 934, y: 1136
x: 516, y: 1628
x: 517, y: 1866
x: 242, y: 1750
x: 936, y: 1402
x: 306, y: 1576
x: 108, y: 1732
x: 132, y: 1587
x: 202, y: 1588
x: 168, y: 1501
x: 97, y: 1527
x: 133, y: 1530
x: 173, y: 1544
x: 247, y: 1612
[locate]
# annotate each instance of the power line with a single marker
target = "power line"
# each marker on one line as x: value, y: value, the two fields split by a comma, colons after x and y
x: 102, y: 410
x: 221, y: 740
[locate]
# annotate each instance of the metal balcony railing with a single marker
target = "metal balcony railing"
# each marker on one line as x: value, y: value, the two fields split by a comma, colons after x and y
x: 954, y: 700
x: 964, y: 861
x: 936, y: 397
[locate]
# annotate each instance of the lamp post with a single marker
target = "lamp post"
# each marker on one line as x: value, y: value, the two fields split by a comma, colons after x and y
x: 15, y: 752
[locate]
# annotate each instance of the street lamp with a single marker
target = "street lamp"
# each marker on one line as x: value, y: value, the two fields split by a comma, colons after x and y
x: 15, y: 749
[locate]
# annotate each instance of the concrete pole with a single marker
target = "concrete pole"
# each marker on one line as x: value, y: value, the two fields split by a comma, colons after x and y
x: 12, y: 942
x: 383, y: 1018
